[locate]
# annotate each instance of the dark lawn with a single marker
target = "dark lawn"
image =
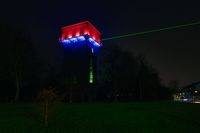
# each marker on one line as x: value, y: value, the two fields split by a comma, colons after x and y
x: 152, y: 117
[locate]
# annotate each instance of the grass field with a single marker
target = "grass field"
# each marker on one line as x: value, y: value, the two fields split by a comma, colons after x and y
x: 152, y: 117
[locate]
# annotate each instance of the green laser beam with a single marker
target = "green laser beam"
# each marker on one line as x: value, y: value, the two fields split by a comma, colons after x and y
x: 151, y: 31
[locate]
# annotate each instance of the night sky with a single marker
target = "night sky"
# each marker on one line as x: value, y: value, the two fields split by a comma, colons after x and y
x: 174, y: 53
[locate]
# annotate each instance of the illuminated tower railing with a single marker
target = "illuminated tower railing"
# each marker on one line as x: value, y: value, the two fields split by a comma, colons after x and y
x: 81, y: 43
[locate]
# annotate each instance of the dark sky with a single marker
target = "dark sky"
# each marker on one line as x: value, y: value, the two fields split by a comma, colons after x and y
x: 174, y: 53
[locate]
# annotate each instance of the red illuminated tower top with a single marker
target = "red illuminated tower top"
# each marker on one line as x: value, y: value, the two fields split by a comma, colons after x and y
x: 80, y: 29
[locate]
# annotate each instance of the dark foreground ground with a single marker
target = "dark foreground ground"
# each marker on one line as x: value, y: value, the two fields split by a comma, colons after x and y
x: 154, y: 117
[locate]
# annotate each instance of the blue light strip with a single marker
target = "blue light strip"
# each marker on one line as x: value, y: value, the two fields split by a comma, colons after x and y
x: 92, y: 41
x: 80, y: 39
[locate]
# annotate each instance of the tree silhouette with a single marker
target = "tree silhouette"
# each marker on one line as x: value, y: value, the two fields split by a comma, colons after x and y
x: 148, y: 80
x: 123, y: 76
x: 47, y: 97
x: 17, y: 58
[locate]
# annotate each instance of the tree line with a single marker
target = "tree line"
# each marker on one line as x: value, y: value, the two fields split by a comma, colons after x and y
x: 126, y: 77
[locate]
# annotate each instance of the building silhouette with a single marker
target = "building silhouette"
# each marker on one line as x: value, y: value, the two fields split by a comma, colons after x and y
x: 81, y: 43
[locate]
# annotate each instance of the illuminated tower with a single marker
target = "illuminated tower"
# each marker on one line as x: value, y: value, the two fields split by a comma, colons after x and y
x: 81, y: 43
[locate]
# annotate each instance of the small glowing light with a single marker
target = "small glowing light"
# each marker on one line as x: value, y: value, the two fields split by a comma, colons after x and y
x: 196, y: 91
x: 81, y: 38
x: 93, y: 42
x: 185, y: 100
x: 74, y: 40
x: 77, y: 33
x: 96, y: 44
x: 86, y: 32
x: 91, y: 78
x: 66, y: 41
x: 92, y: 50
x: 90, y: 39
